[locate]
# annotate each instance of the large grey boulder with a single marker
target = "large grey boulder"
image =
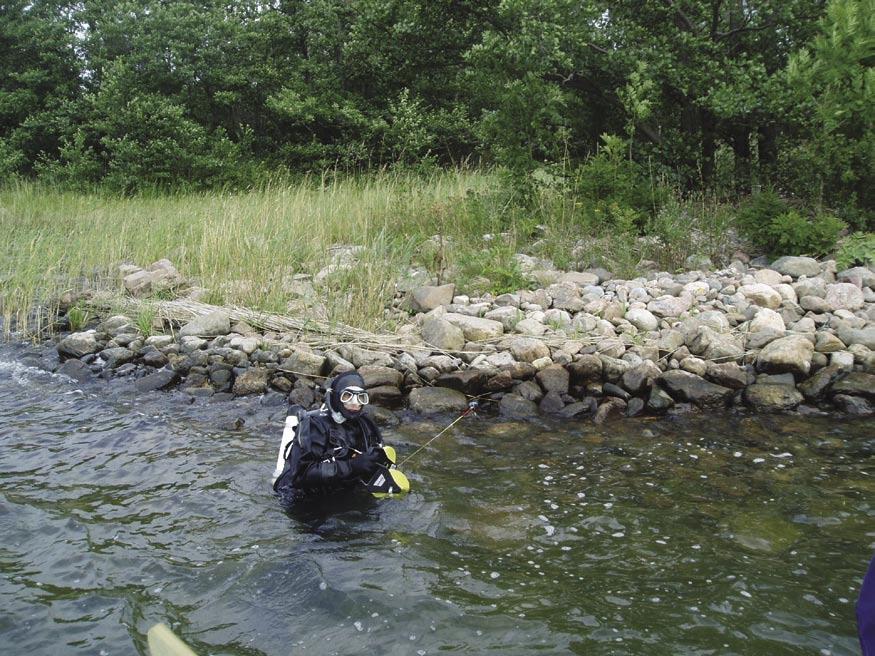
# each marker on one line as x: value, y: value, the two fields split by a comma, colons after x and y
x: 507, y: 315
x: 669, y: 306
x: 640, y: 377
x: 642, y: 319
x: 862, y: 275
x: 767, y: 319
x: 161, y: 379
x: 304, y: 363
x: 729, y: 374
x: 215, y: 323
x: 442, y: 334
x: 516, y: 407
x: 815, y: 387
x: 864, y: 336
x: 810, y: 287
x: 856, y: 383
x: 844, y: 296
x: 684, y: 386
x: 786, y: 355
x: 554, y: 378
x: 376, y: 376
x: 435, y: 400
x: 116, y: 356
x: 475, y: 329
x: 427, y: 298
x: 712, y: 345
x: 797, y: 266
x: 772, y: 398
x: 76, y: 345
x: 588, y: 368
x: 527, y: 349
x: 762, y: 295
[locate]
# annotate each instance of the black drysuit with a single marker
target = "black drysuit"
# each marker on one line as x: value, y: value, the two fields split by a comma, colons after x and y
x: 319, y: 461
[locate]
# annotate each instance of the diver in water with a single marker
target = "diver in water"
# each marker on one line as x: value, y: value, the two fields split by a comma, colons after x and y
x: 334, y: 449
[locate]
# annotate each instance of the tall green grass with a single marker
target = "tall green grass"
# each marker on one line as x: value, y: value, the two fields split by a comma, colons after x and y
x: 240, y: 246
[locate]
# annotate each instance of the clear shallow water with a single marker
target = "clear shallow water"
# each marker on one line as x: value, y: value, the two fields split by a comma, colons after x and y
x: 697, y: 535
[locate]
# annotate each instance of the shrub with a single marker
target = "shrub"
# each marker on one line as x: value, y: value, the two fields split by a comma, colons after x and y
x: 857, y: 249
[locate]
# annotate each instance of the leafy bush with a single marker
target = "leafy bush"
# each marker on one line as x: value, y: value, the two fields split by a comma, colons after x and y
x: 777, y: 228
x: 857, y: 249
x: 614, y: 191
x: 756, y: 214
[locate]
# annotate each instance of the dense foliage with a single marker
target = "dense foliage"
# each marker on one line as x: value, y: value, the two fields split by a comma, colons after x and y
x: 729, y: 96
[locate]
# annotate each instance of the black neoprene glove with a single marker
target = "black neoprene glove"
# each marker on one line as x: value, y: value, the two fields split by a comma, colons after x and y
x: 364, y: 465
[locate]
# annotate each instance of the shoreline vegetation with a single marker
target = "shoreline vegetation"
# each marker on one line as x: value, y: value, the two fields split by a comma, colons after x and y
x: 437, y: 289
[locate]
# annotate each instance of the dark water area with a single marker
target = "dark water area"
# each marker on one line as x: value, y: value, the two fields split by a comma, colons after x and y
x: 701, y: 534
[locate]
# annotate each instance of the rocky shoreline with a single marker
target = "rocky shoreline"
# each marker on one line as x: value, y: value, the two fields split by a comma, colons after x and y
x: 793, y: 335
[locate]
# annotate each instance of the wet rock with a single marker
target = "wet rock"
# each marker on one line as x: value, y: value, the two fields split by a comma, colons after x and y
x: 208, y: 325
x: 612, y: 407
x: 154, y: 358
x: 516, y: 407
x: 856, y: 383
x: 302, y: 395
x: 435, y: 400
x: 659, y: 400
x: 585, y: 369
x: 159, y: 380
x: 640, y: 377
x: 500, y: 382
x: 427, y: 298
x: 529, y: 390
x: 587, y: 406
x: 554, y: 378
x: 221, y: 377
x: 115, y: 357
x: 551, y: 404
x: 615, y: 391
x: 635, y: 407
x: 786, y: 355
x: 729, y: 375
x: 281, y: 383
x: 772, y: 398
x: 77, y: 345
x: 75, y: 369
x: 815, y: 387
x: 796, y: 266
x: 759, y: 531
x: 252, y: 381
x: 853, y: 405
x: 470, y: 381
x: 684, y: 386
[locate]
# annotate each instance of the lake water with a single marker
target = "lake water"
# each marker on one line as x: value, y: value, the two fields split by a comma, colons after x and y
x: 726, y: 534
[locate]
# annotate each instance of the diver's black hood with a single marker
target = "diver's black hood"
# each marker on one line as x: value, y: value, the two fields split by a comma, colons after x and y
x: 336, y: 387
